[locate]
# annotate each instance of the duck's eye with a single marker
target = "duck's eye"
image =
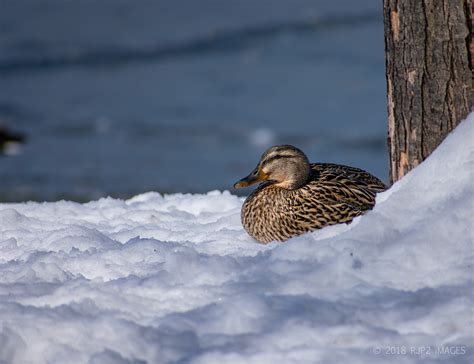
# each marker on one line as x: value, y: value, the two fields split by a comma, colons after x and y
x: 278, y: 156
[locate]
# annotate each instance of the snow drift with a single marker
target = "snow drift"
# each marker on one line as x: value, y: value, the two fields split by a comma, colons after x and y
x: 166, y: 279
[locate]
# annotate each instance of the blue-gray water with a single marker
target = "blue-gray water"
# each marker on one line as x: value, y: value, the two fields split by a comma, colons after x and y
x: 119, y: 97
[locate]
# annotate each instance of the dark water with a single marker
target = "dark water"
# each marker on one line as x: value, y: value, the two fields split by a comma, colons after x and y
x: 121, y: 97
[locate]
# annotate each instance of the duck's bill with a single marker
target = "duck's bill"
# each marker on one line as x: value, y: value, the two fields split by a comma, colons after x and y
x: 254, y: 177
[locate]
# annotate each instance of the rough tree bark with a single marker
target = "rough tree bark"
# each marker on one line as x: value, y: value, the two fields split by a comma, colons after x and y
x: 429, y: 79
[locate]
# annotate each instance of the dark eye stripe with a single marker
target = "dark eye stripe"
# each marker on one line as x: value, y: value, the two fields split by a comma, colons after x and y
x: 279, y: 156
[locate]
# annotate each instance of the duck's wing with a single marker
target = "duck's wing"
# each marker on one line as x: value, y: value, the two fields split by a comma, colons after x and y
x: 335, y: 184
x: 330, y: 172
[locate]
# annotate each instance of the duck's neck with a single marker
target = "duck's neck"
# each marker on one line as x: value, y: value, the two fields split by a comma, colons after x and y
x: 297, y: 179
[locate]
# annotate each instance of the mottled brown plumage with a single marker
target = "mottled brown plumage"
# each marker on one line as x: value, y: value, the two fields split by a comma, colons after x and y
x: 296, y: 196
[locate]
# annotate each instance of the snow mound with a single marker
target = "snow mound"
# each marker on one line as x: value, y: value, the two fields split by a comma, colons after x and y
x: 166, y: 279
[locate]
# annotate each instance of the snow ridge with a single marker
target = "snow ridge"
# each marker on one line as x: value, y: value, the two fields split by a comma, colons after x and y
x: 168, y: 279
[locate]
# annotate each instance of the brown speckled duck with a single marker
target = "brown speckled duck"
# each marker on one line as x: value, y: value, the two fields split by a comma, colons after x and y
x: 296, y: 197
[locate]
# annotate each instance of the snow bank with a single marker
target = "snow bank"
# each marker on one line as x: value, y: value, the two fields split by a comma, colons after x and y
x: 175, y: 278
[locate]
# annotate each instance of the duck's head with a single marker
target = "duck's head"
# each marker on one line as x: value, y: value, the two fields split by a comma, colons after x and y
x: 284, y: 165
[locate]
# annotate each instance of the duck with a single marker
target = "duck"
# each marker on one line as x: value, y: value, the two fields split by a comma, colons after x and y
x: 295, y: 196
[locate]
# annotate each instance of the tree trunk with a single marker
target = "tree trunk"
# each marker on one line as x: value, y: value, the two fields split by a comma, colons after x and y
x: 429, y: 78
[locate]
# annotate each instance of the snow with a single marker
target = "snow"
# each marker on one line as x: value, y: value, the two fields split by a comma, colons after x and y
x: 167, y: 279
